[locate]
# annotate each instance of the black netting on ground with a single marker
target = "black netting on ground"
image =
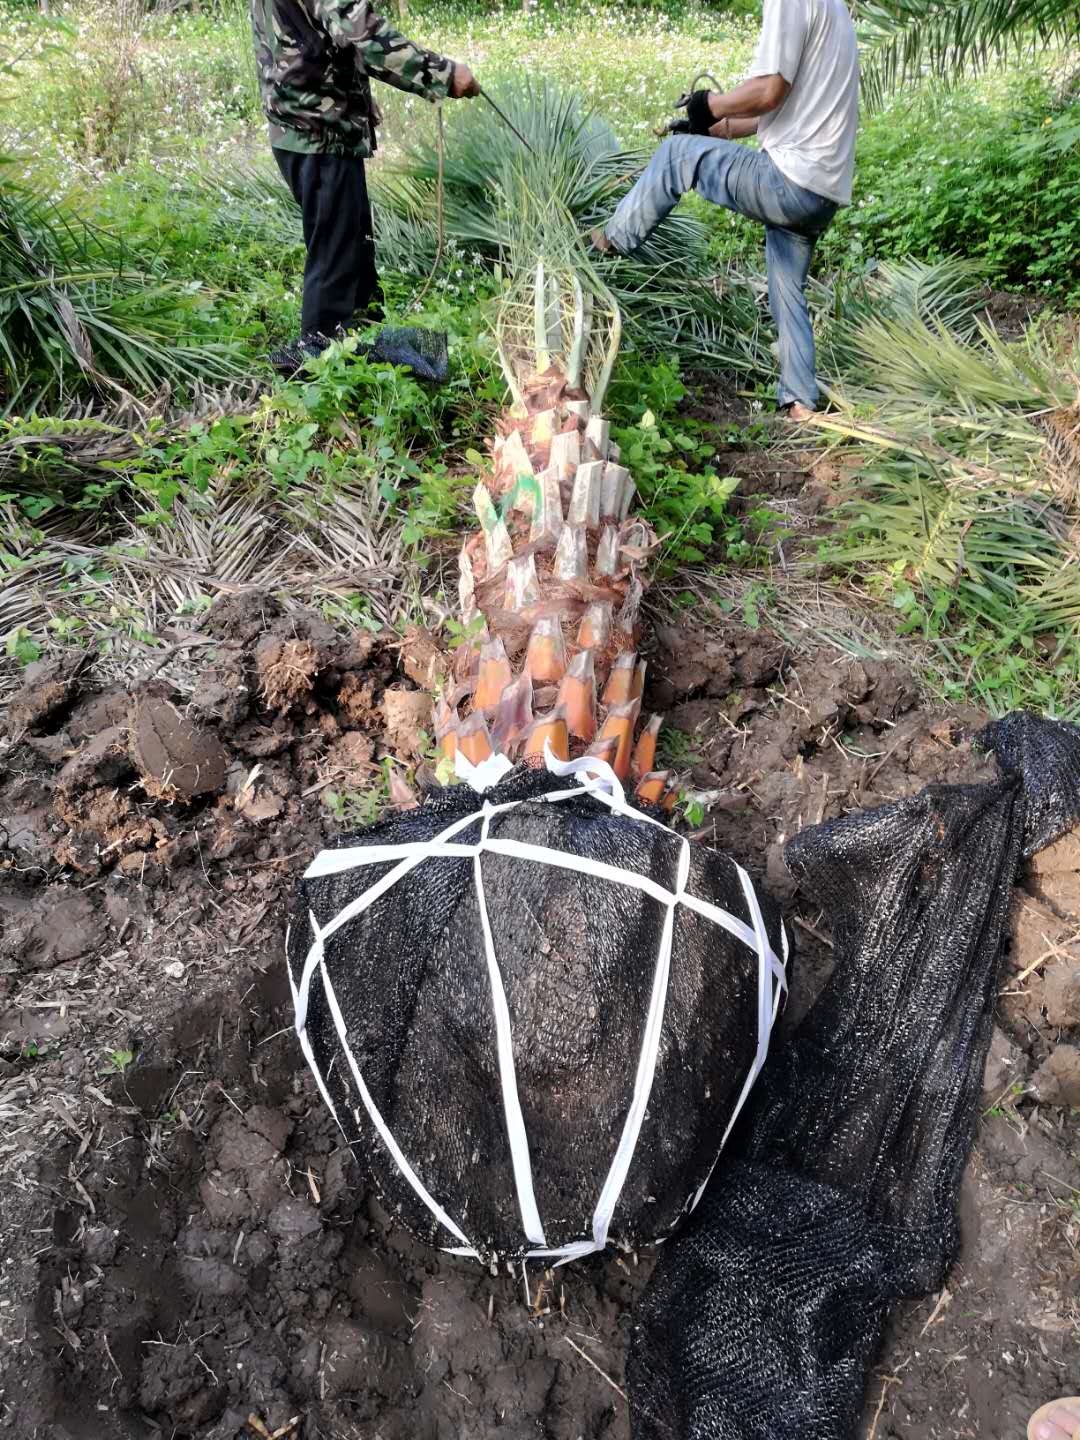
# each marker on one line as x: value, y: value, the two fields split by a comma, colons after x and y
x: 577, y: 956
x: 1047, y: 754
x: 838, y: 1195
x: 423, y: 351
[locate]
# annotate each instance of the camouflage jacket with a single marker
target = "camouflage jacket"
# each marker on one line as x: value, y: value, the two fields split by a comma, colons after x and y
x: 315, y: 60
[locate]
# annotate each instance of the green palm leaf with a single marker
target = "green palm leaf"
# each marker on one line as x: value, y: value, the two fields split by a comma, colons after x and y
x: 78, y: 312
x: 907, y: 40
x: 579, y: 168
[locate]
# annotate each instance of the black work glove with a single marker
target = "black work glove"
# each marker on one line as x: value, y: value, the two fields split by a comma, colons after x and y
x: 699, y: 116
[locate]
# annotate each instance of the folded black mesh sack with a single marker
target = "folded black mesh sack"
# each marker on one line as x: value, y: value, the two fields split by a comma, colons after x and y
x: 424, y: 352
x: 400, y: 1015
x: 838, y: 1195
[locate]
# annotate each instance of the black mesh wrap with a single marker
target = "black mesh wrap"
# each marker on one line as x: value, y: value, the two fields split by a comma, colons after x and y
x: 1046, y: 753
x: 838, y: 1194
x: 577, y: 956
x: 424, y: 352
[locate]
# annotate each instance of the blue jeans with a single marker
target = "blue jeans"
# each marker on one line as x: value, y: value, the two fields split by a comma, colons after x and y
x: 748, y: 182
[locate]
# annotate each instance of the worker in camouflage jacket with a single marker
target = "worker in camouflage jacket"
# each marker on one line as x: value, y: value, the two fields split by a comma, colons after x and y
x: 316, y: 60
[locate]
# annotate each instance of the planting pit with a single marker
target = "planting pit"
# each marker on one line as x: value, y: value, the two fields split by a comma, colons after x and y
x: 189, y: 1251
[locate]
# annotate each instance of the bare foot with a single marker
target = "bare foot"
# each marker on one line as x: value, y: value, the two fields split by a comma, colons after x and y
x: 1060, y: 1420
x: 602, y: 243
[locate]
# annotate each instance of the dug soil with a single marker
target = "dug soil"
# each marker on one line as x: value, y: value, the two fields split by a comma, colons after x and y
x: 188, y: 1250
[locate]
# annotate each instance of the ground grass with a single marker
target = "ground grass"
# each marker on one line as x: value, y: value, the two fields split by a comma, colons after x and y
x: 110, y: 85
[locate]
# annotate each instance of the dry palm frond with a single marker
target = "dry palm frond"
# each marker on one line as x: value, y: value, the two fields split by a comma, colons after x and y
x: 352, y: 542
x: 798, y: 607
x: 83, y: 446
x: 121, y: 589
x: 34, y: 578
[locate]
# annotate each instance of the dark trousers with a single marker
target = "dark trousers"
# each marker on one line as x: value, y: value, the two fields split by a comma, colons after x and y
x: 340, y: 278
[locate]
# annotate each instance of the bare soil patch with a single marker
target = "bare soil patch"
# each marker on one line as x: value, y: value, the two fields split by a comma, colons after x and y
x: 189, y: 1251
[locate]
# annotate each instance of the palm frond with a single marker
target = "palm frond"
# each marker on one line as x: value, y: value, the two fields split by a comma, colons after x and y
x: 577, y: 165
x: 951, y: 501
x: 112, y: 582
x: 78, y: 311
x: 908, y: 40
x: 555, y: 308
x: 248, y: 199
x: 902, y: 292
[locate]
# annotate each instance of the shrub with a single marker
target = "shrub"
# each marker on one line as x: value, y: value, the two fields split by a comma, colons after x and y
x: 973, y: 177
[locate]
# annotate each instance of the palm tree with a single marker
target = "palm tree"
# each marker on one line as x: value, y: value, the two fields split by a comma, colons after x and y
x: 79, y: 313
x: 549, y: 586
x: 903, y: 40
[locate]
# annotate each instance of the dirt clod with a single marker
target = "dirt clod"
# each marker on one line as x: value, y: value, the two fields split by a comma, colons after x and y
x: 62, y: 925
x: 172, y: 752
x: 1061, y: 992
x: 1004, y: 1068
x: 1057, y: 1080
x: 101, y: 760
x: 356, y: 700
x: 221, y: 693
x: 422, y: 658
x: 406, y: 713
x: 102, y: 711
x: 287, y: 670
x: 1055, y: 874
x: 49, y: 686
x: 350, y: 758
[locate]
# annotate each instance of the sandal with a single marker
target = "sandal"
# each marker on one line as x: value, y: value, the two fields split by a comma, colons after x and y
x: 1066, y: 1423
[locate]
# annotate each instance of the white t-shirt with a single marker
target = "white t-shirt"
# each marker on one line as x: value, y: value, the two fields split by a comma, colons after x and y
x: 810, y: 136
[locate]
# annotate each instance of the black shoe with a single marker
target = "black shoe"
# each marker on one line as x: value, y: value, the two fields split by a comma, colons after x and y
x: 290, y: 359
x: 370, y: 313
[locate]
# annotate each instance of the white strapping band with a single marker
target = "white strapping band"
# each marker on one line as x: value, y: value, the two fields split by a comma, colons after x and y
x: 594, y: 777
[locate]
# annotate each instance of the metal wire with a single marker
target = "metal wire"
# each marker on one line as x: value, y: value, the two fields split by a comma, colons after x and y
x: 507, y: 121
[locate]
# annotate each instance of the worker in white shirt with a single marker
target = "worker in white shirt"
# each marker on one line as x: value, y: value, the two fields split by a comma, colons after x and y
x: 801, y: 101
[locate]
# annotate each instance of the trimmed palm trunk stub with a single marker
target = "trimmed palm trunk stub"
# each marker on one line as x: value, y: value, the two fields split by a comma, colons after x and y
x: 550, y: 583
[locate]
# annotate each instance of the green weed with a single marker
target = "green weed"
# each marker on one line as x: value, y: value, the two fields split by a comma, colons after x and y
x: 986, y: 172
x: 676, y: 750
x: 21, y: 646
x: 117, y: 1062
x: 356, y: 809
x: 681, y: 495
x: 756, y: 598
x: 692, y: 810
